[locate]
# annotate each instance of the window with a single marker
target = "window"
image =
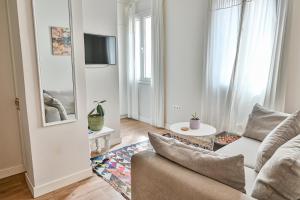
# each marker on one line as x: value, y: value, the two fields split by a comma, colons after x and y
x: 143, y: 50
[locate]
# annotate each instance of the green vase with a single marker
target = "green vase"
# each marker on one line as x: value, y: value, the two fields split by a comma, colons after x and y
x: 96, y: 122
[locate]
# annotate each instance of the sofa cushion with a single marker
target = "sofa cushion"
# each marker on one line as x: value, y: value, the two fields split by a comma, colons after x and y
x: 262, y: 121
x: 225, y: 169
x: 280, y: 176
x: 250, y: 177
x: 53, y: 102
x: 66, y: 98
x: 245, y: 146
x: 285, y: 131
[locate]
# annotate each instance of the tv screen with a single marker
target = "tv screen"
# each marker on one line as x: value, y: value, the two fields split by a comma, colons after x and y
x: 100, y: 49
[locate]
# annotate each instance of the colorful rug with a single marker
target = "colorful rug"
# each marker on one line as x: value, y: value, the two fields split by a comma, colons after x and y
x: 115, y: 166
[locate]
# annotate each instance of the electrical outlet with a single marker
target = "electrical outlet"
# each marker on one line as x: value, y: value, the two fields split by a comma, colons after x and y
x: 176, y: 107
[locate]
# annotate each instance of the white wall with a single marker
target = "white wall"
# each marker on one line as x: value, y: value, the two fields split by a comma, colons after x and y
x: 102, y: 81
x: 291, y: 60
x: 57, y: 155
x: 185, y: 26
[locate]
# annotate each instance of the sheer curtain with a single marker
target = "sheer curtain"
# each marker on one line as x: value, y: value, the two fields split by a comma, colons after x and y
x: 133, y: 74
x: 243, y: 60
x: 157, y: 83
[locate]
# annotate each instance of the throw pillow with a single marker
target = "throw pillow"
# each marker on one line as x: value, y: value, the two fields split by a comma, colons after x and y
x: 280, y: 177
x: 66, y: 98
x: 285, y: 131
x: 225, y: 169
x: 262, y: 121
x: 53, y: 102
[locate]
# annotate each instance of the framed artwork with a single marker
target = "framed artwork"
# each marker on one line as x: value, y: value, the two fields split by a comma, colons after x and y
x: 61, y: 41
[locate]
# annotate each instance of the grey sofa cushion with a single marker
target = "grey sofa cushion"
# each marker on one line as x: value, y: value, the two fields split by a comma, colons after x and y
x: 245, y: 146
x: 262, y: 121
x: 225, y: 169
x: 66, y: 98
x: 285, y: 131
x: 53, y: 102
x: 280, y: 177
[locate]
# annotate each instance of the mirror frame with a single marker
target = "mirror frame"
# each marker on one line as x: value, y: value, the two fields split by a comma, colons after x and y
x: 44, y: 123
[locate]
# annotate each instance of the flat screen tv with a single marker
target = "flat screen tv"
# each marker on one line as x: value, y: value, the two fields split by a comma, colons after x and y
x: 100, y: 49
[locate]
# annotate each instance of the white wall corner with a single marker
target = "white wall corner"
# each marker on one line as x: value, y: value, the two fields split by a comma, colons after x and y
x: 167, y: 126
x: 123, y: 116
x: 115, y: 141
x: 40, y: 190
x: 29, y: 184
x: 11, y: 171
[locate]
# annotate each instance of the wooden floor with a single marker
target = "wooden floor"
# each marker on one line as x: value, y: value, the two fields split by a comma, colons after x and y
x: 15, y: 188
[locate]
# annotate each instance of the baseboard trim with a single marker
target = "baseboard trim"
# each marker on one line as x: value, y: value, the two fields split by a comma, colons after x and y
x: 59, y: 183
x: 29, y: 184
x: 11, y: 171
x: 123, y: 116
x: 145, y: 119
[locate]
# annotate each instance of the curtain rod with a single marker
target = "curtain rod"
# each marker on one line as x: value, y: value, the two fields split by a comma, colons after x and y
x: 225, y: 4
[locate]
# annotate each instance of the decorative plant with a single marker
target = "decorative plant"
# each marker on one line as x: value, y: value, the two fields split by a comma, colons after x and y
x: 96, y: 117
x: 195, y: 116
x: 98, y: 108
x: 195, y: 121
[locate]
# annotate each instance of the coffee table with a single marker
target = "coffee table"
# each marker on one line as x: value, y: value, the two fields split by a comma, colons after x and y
x: 205, y: 135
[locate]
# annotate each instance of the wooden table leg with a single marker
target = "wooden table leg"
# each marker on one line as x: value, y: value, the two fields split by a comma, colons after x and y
x: 98, y: 149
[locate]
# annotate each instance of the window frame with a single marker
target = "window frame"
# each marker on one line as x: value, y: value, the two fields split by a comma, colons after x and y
x: 141, y: 17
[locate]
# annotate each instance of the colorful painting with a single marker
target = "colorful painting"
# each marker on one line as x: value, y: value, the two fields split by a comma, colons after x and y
x: 61, y: 41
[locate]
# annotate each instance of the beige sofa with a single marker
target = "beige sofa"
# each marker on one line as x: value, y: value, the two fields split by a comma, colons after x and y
x: 157, y: 178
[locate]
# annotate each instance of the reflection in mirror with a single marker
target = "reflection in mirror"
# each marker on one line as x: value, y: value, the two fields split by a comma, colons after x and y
x: 55, y: 60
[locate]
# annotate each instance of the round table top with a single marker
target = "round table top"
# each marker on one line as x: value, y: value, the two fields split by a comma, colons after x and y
x: 203, y: 131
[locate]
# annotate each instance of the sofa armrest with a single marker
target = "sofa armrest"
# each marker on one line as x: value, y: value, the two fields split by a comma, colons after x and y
x: 157, y: 178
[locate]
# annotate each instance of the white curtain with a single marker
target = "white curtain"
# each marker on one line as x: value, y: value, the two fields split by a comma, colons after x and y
x: 276, y: 89
x: 157, y: 83
x: 132, y: 72
x: 243, y: 61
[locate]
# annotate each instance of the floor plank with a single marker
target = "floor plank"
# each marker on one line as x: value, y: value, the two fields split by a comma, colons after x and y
x: 15, y: 188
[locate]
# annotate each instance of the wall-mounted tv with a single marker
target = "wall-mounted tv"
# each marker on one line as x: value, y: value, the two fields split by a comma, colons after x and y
x: 100, y: 49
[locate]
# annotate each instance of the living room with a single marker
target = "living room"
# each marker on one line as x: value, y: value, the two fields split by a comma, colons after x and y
x: 215, y: 86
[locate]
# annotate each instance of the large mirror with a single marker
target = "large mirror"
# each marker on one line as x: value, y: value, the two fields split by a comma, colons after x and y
x: 53, y: 31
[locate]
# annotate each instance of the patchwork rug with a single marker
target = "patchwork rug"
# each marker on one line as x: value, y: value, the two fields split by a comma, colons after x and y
x: 115, y: 166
